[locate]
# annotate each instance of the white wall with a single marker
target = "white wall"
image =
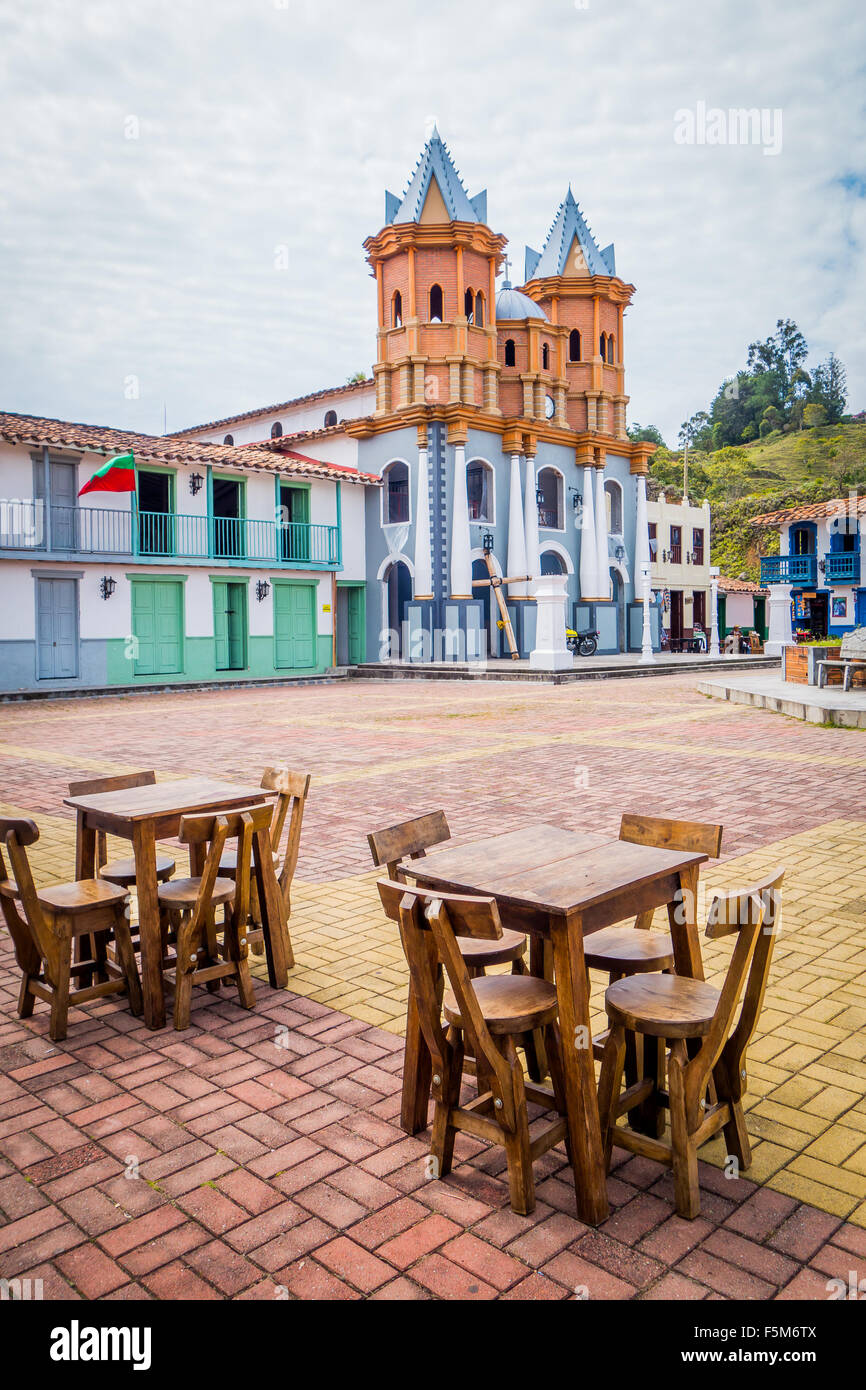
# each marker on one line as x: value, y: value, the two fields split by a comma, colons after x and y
x: 310, y: 416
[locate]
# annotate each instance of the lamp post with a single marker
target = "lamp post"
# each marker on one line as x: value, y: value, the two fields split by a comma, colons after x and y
x: 647, y: 655
x: 714, y: 610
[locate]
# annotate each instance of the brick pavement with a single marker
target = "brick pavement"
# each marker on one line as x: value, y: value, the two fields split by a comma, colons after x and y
x: 218, y: 1163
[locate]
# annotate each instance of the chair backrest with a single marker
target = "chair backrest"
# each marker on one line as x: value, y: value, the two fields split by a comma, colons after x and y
x: 687, y: 836
x: 753, y: 915
x: 91, y: 786
x: 409, y: 840
x: 426, y: 920
x: 292, y: 789
x: 29, y: 933
x: 242, y: 825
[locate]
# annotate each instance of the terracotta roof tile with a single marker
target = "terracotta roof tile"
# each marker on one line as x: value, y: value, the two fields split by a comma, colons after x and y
x: 739, y: 586
x: 63, y: 434
x: 811, y: 511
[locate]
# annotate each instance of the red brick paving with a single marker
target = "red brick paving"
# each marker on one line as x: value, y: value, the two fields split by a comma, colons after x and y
x: 220, y: 1165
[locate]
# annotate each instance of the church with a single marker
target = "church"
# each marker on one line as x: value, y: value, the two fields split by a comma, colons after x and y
x: 359, y: 523
x: 499, y: 425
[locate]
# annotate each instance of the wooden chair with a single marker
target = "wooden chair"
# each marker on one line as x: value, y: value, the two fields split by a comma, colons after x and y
x: 488, y: 1012
x: 292, y: 789
x: 410, y: 840
x: 707, y: 1065
x: 120, y: 871
x: 53, y: 918
x: 623, y: 951
x: 205, y: 952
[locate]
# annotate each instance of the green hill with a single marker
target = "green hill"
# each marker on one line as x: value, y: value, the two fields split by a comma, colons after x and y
x: 742, y: 481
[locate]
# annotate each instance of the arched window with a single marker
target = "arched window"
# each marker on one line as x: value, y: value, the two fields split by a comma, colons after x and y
x: 479, y: 487
x: 574, y: 346
x: 436, y: 309
x: 469, y: 305
x: 395, y: 503
x: 510, y: 353
x: 602, y: 347
x: 613, y: 501
x: 276, y: 430
x: 397, y: 310
x: 229, y: 439
x: 610, y: 347
x: 479, y: 310
x: 330, y: 417
x: 549, y: 497
x: 545, y: 357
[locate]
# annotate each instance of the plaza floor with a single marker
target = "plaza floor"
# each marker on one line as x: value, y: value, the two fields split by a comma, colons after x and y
x: 258, y: 1154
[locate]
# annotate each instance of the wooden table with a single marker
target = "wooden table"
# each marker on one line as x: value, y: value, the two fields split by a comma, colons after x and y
x: 147, y: 814
x: 559, y: 886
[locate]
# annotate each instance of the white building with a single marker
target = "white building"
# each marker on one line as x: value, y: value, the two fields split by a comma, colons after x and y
x: 679, y: 538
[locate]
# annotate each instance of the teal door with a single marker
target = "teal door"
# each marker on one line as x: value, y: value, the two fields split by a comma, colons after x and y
x: 230, y: 626
x: 157, y: 625
x: 294, y: 523
x: 355, y: 624
x: 57, y: 629
x: 294, y: 625
x: 64, y: 499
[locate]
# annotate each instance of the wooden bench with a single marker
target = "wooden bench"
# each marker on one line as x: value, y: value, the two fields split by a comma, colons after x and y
x: 852, y: 656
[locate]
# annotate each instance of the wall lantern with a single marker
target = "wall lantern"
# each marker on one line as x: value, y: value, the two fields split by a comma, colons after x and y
x: 263, y: 588
x: 487, y: 542
x: 577, y: 499
x: 539, y: 497
x: 620, y: 552
x: 107, y: 586
x: 195, y: 483
x: 822, y: 566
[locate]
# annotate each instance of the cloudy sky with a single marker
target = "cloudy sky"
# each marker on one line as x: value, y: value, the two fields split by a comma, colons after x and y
x: 185, y: 184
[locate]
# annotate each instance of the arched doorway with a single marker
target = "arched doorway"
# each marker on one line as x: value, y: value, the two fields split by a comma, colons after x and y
x: 397, y: 587
x: 551, y: 563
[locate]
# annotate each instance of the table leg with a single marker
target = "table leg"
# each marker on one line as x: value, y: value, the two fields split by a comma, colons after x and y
x: 85, y: 867
x: 584, y: 1129
x: 276, y: 932
x: 683, y: 920
x: 144, y: 848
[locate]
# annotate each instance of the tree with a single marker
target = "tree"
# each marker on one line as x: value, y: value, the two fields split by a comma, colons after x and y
x: 829, y: 387
x: 814, y: 414
x: 646, y: 434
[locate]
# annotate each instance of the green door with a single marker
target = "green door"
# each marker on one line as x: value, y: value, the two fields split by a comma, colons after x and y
x: 294, y: 523
x: 230, y: 625
x: 157, y: 625
x: 294, y: 625
x: 355, y: 624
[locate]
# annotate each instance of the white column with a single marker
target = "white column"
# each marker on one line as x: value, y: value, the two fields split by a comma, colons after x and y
x: 647, y: 656
x: 516, y: 561
x: 423, y: 558
x: 530, y: 515
x: 588, y: 558
x: 461, y: 550
x: 550, y: 652
x: 603, y: 572
x: 641, y: 528
x: 714, y: 610
x: 778, y: 620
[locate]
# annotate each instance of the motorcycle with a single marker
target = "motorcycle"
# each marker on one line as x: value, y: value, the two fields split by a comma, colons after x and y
x: 585, y: 643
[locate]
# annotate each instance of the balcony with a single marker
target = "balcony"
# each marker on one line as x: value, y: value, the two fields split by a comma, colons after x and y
x: 789, y: 569
x: 161, y: 535
x: 842, y: 567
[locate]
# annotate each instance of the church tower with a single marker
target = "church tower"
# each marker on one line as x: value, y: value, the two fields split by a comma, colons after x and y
x: 576, y: 285
x: 435, y: 263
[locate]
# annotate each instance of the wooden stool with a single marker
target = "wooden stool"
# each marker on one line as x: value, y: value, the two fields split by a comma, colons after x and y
x: 624, y: 951
x: 292, y: 789
x: 490, y: 1013
x: 53, y: 919
x: 707, y: 1065
x: 206, y: 953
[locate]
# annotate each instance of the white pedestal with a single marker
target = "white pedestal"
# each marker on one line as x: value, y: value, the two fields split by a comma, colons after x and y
x: 778, y: 620
x: 550, y: 652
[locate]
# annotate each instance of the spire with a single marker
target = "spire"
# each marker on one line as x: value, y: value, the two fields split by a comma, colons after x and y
x: 570, y: 248
x: 435, y: 166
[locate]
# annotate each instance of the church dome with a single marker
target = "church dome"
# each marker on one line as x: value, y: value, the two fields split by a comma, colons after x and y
x: 511, y: 304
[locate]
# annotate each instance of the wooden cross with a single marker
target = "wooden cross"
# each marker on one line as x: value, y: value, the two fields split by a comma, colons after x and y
x: 495, y: 583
